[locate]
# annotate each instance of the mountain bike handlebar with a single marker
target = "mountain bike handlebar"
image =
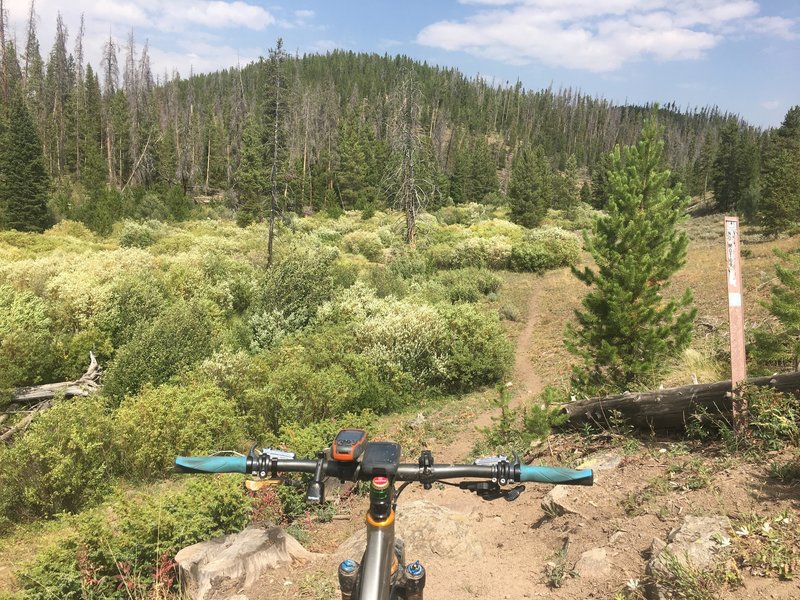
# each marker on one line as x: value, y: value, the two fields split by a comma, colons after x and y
x: 349, y: 471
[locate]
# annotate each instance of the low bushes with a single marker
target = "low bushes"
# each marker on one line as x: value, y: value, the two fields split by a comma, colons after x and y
x: 545, y: 249
x: 25, y: 334
x: 180, y: 420
x: 366, y: 243
x: 177, y: 338
x: 127, y: 549
x: 65, y: 461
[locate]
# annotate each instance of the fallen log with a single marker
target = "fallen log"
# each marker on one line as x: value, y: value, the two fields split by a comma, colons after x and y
x: 41, y: 397
x: 86, y: 385
x: 669, y: 408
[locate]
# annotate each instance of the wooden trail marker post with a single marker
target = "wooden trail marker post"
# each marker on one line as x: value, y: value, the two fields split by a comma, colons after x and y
x: 736, y: 320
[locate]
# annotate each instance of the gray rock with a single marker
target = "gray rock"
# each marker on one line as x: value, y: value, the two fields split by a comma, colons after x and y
x: 601, y: 461
x: 560, y: 500
x: 593, y: 564
x: 695, y: 543
x: 236, y: 561
x: 427, y: 529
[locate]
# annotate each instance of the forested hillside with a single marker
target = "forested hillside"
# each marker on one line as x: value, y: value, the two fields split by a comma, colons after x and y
x: 110, y: 131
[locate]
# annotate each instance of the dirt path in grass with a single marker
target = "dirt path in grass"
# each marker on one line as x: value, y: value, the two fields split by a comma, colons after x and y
x: 526, y: 380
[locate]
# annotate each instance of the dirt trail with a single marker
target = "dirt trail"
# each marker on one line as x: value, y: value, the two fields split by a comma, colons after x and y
x: 525, y: 381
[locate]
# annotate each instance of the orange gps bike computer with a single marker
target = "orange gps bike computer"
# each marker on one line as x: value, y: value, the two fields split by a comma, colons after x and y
x: 349, y: 444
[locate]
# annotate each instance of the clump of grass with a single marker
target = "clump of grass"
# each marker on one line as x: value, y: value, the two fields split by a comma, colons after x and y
x: 785, y: 471
x: 769, y: 546
x: 556, y: 568
x: 637, y: 503
x: 680, y: 579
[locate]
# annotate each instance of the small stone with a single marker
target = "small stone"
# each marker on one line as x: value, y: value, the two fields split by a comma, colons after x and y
x: 417, y: 421
x: 615, y: 536
x: 694, y: 543
x: 593, y: 564
x: 558, y: 502
x: 601, y: 461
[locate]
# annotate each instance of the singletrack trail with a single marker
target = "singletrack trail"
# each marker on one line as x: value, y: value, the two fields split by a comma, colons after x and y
x: 525, y: 381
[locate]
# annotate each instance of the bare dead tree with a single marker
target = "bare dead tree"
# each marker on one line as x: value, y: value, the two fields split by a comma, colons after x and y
x: 275, y: 116
x: 110, y: 84
x: 406, y: 181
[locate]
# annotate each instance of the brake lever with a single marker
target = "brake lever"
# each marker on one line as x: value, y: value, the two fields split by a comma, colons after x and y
x: 491, y: 490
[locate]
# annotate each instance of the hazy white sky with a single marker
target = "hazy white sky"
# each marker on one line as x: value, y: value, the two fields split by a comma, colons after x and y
x: 741, y: 55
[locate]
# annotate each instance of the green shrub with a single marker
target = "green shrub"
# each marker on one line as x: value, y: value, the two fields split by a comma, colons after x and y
x: 67, y: 228
x: 543, y: 249
x: 465, y: 285
x: 408, y: 263
x: 472, y: 251
x: 774, y: 417
x: 160, y: 423
x: 405, y: 342
x: 296, y: 286
x: 180, y: 336
x: 366, y: 243
x: 73, y: 352
x: 126, y: 551
x: 136, y: 235
x: 134, y: 298
x: 25, y: 335
x: 464, y: 214
x: 442, y: 256
x: 477, y: 351
x: 385, y: 281
x: 319, y: 374
x: 62, y: 463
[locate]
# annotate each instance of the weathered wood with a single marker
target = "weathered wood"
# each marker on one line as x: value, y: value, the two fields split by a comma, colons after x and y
x: 86, y: 385
x: 670, y: 408
x: 23, y: 424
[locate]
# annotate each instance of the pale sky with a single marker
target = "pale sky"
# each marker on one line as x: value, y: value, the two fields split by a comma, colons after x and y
x: 741, y: 55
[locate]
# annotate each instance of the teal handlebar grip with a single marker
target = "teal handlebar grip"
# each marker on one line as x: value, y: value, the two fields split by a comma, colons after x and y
x: 556, y: 475
x: 211, y: 464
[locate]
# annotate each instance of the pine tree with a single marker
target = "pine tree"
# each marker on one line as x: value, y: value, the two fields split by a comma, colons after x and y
x: 483, y: 172
x: 780, y: 205
x: 351, y: 175
x: 530, y: 190
x: 781, y: 348
x: 735, y: 173
x: 23, y: 179
x: 566, y: 194
x: 626, y: 328
x: 251, y: 176
x: 600, y: 183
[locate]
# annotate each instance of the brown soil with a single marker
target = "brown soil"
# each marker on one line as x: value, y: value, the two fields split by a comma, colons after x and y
x: 622, y: 513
